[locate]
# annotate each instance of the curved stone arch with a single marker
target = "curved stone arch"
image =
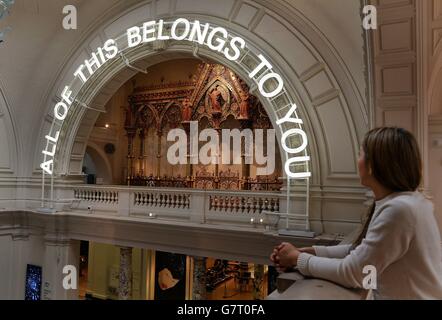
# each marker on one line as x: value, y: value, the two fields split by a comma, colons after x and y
x: 8, y: 134
x: 323, y: 85
x: 101, y: 154
x: 156, y: 117
x: 77, y: 117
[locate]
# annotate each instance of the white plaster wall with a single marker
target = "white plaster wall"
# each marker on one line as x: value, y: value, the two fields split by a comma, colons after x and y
x: 16, y: 255
x: 6, y: 267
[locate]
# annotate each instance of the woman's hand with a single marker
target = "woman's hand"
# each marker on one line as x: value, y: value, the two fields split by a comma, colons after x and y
x: 274, y: 256
x: 285, y: 255
x: 275, y: 259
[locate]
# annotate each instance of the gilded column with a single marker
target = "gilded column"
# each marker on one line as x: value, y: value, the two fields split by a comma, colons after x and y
x: 199, y: 279
x: 245, y: 168
x: 141, y: 155
x: 216, y: 118
x: 160, y: 135
x: 125, y: 275
x: 189, y: 166
x: 218, y: 160
x: 130, y: 153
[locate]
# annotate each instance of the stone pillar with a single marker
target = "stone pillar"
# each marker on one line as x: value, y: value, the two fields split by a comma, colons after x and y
x: 199, y: 279
x: 258, y: 282
x: 60, y: 252
x: 125, y: 275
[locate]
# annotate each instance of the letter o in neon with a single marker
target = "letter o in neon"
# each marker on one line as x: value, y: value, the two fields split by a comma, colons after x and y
x: 57, y: 114
x: 274, y: 92
x: 175, y: 26
x: 290, y: 133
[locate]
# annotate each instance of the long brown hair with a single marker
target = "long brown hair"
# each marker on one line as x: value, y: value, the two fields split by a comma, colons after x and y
x: 393, y: 158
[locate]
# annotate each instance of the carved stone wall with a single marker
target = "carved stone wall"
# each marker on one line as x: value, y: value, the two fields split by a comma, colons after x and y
x: 395, y: 63
x: 407, y: 64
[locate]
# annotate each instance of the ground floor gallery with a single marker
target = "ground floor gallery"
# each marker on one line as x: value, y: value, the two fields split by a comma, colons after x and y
x: 108, y: 272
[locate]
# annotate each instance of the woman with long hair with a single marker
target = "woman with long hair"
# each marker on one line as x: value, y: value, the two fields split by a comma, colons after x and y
x: 400, y: 238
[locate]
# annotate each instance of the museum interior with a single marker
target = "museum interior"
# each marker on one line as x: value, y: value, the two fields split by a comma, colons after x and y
x: 135, y: 226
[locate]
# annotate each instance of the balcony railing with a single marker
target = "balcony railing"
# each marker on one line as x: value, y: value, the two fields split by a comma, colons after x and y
x: 238, y: 208
x: 225, y: 181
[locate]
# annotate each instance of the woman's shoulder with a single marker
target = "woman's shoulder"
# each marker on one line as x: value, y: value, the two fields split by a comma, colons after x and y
x: 411, y: 200
x: 405, y: 206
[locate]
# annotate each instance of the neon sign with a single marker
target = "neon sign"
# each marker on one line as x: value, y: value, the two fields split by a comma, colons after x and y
x: 216, y: 39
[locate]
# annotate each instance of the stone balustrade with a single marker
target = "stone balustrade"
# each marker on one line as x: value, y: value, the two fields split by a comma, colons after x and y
x: 240, y: 208
x: 96, y: 195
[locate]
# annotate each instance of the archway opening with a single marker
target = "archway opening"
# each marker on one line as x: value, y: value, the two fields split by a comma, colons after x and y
x: 96, y: 166
x: 187, y: 94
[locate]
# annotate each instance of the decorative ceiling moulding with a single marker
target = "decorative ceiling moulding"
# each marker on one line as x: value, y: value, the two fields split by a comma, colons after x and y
x: 396, y: 58
x: 388, y: 4
x: 435, y: 123
x: 389, y: 43
x: 437, y: 9
x: 398, y: 80
x: 437, y: 37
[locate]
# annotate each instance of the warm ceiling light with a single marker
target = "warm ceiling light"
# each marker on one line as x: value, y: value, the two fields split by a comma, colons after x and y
x: 107, y: 126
